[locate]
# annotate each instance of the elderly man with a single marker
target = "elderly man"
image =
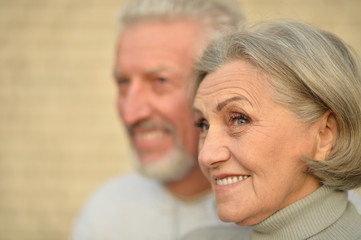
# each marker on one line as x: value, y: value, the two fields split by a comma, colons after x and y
x: 168, y: 196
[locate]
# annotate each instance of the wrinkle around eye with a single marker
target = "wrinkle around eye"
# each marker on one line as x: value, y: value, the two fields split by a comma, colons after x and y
x: 236, y: 129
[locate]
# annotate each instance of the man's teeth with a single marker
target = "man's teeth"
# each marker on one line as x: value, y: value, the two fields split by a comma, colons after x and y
x: 230, y: 180
x: 149, y: 135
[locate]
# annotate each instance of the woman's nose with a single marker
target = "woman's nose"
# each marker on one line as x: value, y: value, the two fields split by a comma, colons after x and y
x: 213, y: 151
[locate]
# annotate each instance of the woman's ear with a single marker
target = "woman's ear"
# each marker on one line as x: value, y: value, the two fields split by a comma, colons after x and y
x: 327, y: 135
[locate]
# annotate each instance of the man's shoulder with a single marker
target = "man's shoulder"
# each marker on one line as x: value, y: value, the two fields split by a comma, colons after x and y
x: 355, y: 198
x: 122, y: 194
x: 108, y: 208
x: 125, y: 186
x: 129, y: 180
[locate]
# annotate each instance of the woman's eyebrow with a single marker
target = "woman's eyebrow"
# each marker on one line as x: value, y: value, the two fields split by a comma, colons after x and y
x: 221, y: 105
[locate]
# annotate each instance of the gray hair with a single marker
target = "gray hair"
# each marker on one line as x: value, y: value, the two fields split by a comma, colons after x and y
x: 217, y: 16
x: 312, y: 71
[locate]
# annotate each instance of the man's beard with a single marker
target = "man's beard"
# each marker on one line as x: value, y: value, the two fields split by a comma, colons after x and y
x: 171, y: 167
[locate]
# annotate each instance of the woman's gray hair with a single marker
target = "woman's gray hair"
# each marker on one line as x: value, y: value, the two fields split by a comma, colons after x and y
x: 312, y: 71
x: 217, y: 16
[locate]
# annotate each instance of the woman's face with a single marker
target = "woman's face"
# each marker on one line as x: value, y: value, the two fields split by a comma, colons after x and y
x: 250, y: 147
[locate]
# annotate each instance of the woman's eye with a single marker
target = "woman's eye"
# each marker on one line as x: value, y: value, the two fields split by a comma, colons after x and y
x: 202, y: 125
x: 239, y: 119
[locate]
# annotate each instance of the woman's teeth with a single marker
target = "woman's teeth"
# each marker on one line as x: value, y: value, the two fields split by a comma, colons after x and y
x: 230, y: 180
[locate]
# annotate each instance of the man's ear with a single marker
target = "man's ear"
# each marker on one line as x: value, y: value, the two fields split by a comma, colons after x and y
x: 327, y: 135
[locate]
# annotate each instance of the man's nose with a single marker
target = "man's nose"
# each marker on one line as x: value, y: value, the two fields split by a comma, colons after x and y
x: 213, y: 152
x: 135, y: 105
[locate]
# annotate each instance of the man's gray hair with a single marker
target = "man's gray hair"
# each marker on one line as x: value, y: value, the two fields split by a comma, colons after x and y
x: 216, y: 16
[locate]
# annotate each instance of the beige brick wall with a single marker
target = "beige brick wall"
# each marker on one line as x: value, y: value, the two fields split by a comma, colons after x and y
x: 59, y: 133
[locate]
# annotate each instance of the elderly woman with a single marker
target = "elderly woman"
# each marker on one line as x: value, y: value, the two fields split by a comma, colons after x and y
x: 279, y: 110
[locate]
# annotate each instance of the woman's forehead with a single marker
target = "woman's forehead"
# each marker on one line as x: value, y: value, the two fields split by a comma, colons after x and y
x: 237, y: 78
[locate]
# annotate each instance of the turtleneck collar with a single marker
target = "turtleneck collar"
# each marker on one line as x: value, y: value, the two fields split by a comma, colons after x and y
x: 305, y: 217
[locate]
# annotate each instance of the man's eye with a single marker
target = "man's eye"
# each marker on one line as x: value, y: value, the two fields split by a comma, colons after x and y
x: 162, y: 79
x: 202, y: 125
x: 122, y: 81
x: 123, y: 85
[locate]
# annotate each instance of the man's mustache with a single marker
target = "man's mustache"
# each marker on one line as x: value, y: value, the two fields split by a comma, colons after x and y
x: 151, y: 124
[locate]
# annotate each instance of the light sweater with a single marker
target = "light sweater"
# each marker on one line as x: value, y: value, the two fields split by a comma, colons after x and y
x: 132, y: 207
x: 326, y: 214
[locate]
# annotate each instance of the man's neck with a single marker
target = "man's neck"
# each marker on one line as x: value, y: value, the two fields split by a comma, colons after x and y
x: 192, y: 187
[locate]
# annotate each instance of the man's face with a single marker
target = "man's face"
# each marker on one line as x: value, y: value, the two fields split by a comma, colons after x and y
x: 153, y: 67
